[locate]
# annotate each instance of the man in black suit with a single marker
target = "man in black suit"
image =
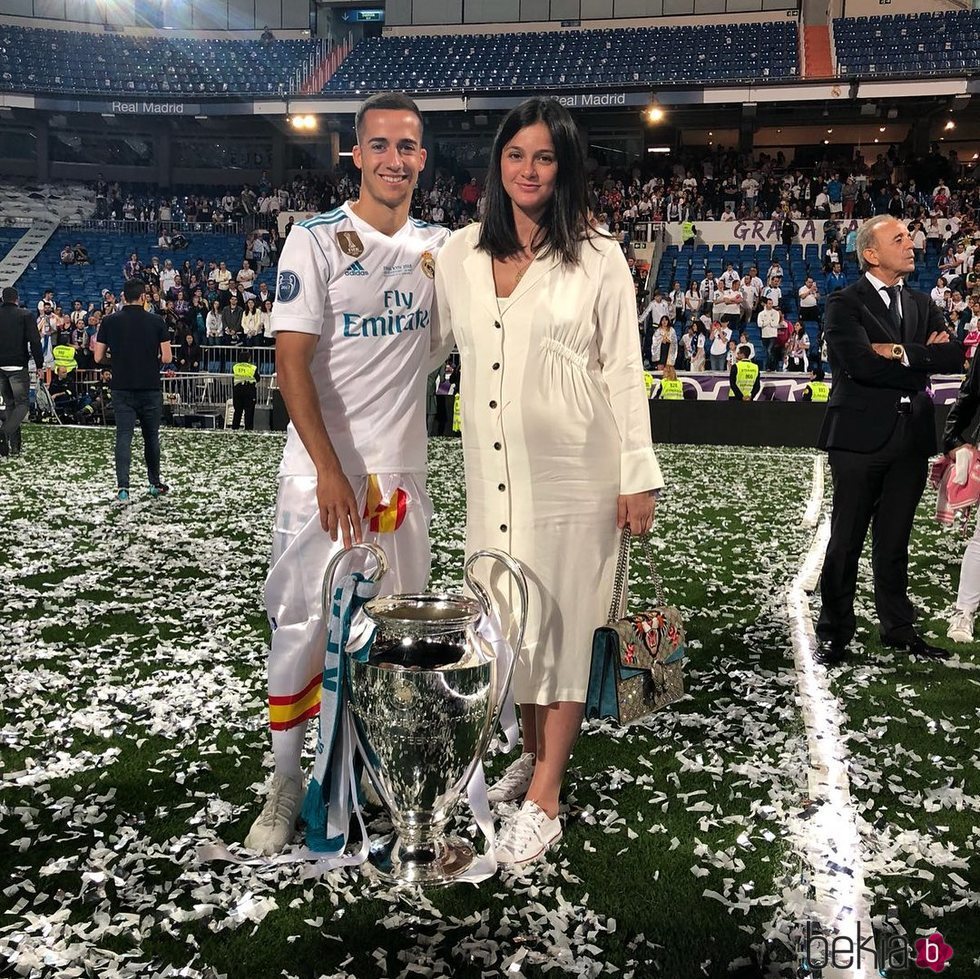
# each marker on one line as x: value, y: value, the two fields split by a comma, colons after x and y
x: 884, y: 340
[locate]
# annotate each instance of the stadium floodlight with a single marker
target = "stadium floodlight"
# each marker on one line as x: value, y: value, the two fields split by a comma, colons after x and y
x: 658, y: 149
x: 655, y: 114
x: 307, y: 123
x: 950, y: 125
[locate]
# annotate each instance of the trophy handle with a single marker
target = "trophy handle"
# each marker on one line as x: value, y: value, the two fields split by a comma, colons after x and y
x: 520, y: 580
x: 328, y: 576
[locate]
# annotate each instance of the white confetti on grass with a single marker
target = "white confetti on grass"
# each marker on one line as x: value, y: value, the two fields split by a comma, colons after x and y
x: 139, y: 631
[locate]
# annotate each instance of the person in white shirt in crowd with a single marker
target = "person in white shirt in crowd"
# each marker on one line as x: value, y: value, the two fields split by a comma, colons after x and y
x: 821, y: 204
x: 775, y: 272
x: 246, y: 276
x: 213, y: 327
x: 252, y: 323
x: 676, y: 300
x: 796, y: 357
x: 756, y: 281
x: 168, y: 278
x: 731, y: 302
x: 693, y: 301
x: 658, y: 308
x: 809, y: 301
x: 769, y: 320
x: 940, y: 294
x: 750, y: 190
x: 260, y: 252
x: 708, y: 289
x: 750, y: 297
x: 164, y: 240
x: 728, y: 214
x: 718, y: 346
x: 743, y: 341
x: 222, y: 278
x: 693, y: 343
x: 730, y: 276
x: 774, y: 292
x: 438, y: 214
x: 228, y: 203
x: 164, y: 213
x: 919, y: 243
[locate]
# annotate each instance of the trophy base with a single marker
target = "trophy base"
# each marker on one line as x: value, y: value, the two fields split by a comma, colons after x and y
x: 430, y: 863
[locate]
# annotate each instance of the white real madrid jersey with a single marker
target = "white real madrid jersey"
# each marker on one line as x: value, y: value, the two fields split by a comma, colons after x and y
x: 370, y: 298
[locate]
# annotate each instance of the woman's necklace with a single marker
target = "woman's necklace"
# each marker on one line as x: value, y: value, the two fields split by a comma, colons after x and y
x: 523, y: 269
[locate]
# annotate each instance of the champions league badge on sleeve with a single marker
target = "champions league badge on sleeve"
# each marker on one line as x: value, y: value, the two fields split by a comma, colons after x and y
x: 288, y: 287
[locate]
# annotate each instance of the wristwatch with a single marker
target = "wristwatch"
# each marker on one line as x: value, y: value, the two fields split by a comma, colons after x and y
x: 898, y: 351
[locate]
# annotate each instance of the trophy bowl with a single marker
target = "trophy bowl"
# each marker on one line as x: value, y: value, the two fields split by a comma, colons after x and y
x: 425, y: 705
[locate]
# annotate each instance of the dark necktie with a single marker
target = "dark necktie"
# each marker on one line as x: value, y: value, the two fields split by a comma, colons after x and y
x: 894, y: 310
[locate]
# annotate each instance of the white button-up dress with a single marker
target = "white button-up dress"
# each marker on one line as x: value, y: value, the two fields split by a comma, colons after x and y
x: 555, y: 425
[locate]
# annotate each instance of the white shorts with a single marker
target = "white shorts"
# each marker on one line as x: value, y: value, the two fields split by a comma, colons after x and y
x: 301, y: 551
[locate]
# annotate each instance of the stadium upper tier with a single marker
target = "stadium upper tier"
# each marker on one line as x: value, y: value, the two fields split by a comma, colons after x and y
x: 631, y: 56
x: 33, y: 60
x: 941, y: 43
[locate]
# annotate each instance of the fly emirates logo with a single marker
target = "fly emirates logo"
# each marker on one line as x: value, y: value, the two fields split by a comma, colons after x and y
x: 399, y: 317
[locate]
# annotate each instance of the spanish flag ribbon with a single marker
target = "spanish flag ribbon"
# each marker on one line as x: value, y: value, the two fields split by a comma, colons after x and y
x: 286, y: 712
x: 385, y: 516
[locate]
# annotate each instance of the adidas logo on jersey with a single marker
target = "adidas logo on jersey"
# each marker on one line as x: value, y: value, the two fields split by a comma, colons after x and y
x: 356, y: 269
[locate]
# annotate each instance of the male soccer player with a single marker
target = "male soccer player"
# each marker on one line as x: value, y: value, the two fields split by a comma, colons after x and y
x: 352, y: 321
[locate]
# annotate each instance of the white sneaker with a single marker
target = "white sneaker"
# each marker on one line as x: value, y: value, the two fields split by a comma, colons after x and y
x: 515, y: 781
x: 960, y: 627
x: 526, y: 834
x: 276, y: 823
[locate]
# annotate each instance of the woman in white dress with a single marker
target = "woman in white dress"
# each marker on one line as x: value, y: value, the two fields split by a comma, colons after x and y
x: 556, y: 429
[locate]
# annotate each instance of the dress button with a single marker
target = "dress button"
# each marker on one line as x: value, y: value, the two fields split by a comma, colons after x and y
x: 497, y: 446
x: 503, y: 527
x: 496, y: 367
x: 497, y: 324
x: 501, y: 487
x: 493, y: 404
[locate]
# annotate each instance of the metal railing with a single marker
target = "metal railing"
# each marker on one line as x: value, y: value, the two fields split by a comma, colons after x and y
x: 251, y: 222
x: 188, y: 392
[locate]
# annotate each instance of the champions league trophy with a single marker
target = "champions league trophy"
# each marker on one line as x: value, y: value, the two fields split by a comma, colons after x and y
x: 425, y: 704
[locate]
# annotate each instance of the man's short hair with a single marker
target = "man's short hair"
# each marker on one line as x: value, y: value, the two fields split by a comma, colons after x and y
x: 867, y: 237
x: 385, y: 100
x: 745, y: 351
x: 10, y: 295
x: 134, y: 289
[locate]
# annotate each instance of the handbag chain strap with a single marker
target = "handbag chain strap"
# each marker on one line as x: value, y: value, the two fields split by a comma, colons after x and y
x: 617, y: 606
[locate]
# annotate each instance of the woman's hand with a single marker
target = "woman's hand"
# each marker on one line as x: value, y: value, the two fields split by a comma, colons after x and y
x: 636, y: 509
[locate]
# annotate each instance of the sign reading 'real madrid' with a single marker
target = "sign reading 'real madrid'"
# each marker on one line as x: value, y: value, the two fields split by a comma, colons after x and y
x: 151, y: 108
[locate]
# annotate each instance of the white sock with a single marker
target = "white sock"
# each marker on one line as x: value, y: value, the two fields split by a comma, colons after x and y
x: 287, y: 747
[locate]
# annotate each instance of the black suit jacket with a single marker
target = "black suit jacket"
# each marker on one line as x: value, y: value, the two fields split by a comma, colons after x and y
x: 864, y: 401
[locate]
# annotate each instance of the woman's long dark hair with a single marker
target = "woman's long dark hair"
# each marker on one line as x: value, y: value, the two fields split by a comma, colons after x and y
x: 565, y: 222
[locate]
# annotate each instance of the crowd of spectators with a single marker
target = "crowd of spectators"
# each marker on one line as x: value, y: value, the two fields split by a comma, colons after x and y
x: 204, y: 303
x: 697, y: 325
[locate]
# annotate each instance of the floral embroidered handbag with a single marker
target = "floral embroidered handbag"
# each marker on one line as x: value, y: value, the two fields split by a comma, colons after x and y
x: 637, y: 659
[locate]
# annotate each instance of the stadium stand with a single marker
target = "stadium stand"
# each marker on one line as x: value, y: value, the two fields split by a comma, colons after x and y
x: 109, y: 253
x: 943, y: 42
x: 34, y: 60
x: 8, y: 238
x: 692, y: 262
x: 594, y: 59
